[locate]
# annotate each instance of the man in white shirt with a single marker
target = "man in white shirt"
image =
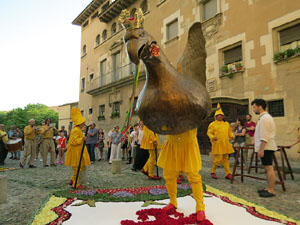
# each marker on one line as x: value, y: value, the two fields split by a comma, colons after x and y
x: 265, y: 145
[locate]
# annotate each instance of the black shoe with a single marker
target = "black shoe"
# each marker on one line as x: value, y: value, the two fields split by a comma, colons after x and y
x: 99, y: 160
x: 266, y: 194
x: 46, y: 165
x: 133, y: 169
x: 32, y: 166
x: 21, y: 165
x: 11, y: 157
x: 53, y: 165
x: 261, y: 190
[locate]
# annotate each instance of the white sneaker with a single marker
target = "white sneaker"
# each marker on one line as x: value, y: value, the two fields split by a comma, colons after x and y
x: 41, y: 160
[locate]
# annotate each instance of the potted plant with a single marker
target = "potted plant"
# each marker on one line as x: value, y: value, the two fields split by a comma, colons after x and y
x: 239, y: 66
x: 230, y: 75
x: 297, y: 50
x: 115, y: 114
x: 224, y: 69
x: 289, y: 52
x: 101, y: 117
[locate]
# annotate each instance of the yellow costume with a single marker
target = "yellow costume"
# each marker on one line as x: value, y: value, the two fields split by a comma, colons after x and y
x: 221, y: 147
x: 47, y: 144
x: 75, y: 144
x: 30, y: 145
x: 147, y: 143
x: 181, y: 153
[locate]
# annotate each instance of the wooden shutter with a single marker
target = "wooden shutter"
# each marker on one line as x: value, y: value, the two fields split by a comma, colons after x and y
x: 172, y: 29
x: 290, y: 35
x: 210, y: 9
x: 233, y: 55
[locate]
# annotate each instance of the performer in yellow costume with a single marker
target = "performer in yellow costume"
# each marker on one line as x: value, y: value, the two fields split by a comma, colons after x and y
x: 75, y: 146
x: 150, y: 141
x: 181, y: 153
x: 219, y: 133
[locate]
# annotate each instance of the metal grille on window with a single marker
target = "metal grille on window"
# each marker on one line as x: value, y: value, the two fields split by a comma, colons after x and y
x: 210, y: 9
x: 116, y: 107
x: 172, y: 29
x: 90, y: 110
x: 233, y: 55
x: 91, y: 76
x: 101, y: 110
x: 84, y: 50
x: 276, y: 108
x: 290, y: 35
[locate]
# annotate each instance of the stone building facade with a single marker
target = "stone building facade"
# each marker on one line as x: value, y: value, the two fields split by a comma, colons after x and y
x: 251, y: 53
x: 64, y: 115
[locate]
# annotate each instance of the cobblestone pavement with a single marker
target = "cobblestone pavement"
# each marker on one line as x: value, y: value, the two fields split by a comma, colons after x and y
x: 28, y: 188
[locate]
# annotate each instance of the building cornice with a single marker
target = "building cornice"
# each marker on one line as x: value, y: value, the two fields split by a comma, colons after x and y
x: 114, y: 9
x: 89, y: 10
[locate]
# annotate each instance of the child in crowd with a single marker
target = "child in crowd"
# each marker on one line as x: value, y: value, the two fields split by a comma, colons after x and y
x: 61, y: 147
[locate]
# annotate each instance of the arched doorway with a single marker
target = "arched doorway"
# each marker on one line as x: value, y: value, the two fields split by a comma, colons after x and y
x: 232, y: 108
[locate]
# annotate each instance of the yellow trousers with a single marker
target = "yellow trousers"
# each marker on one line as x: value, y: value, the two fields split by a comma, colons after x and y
x: 221, y: 159
x: 150, y: 164
x: 75, y: 168
x: 195, y: 180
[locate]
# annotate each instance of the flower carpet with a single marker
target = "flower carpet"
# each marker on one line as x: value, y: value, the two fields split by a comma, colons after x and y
x: 3, y: 169
x: 142, y: 206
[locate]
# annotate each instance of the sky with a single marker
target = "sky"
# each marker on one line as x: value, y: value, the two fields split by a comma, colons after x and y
x: 39, y: 52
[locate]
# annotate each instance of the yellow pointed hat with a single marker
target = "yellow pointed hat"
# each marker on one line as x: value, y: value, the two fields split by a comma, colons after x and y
x: 76, y: 116
x: 219, y: 111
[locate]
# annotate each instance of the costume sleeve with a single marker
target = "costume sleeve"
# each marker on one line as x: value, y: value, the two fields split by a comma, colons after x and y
x: 43, y: 130
x: 210, y: 131
x: 28, y: 130
x: 230, y: 134
x: 75, y: 138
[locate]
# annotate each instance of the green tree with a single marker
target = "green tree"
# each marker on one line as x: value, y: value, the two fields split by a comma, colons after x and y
x: 20, y: 117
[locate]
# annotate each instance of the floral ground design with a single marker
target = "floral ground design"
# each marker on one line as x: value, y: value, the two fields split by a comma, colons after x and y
x: 53, y: 211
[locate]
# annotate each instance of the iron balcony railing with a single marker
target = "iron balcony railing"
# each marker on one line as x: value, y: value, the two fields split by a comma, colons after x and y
x: 113, y: 76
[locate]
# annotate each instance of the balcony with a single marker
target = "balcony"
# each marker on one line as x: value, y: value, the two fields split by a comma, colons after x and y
x: 111, y: 11
x: 118, y: 78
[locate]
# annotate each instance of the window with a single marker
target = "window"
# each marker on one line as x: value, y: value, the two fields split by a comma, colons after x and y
x: 113, y: 28
x: 101, y: 110
x: 82, y: 112
x: 144, y: 6
x: 233, y: 55
x: 276, y: 108
x: 85, y: 24
x: 90, y: 111
x: 116, y: 107
x: 84, y: 50
x: 94, y: 16
x: 104, y: 35
x: 91, y: 76
x: 210, y: 9
x: 102, y: 72
x: 289, y: 35
x: 97, y: 40
x: 116, y: 65
x: 132, y: 12
x: 82, y: 84
x: 172, y: 30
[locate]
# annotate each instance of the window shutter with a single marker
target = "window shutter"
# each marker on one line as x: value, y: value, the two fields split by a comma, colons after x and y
x: 172, y: 29
x: 210, y: 9
x: 233, y: 55
x: 290, y: 35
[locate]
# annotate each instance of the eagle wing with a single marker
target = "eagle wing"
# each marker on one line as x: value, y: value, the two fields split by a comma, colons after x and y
x: 192, y: 61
